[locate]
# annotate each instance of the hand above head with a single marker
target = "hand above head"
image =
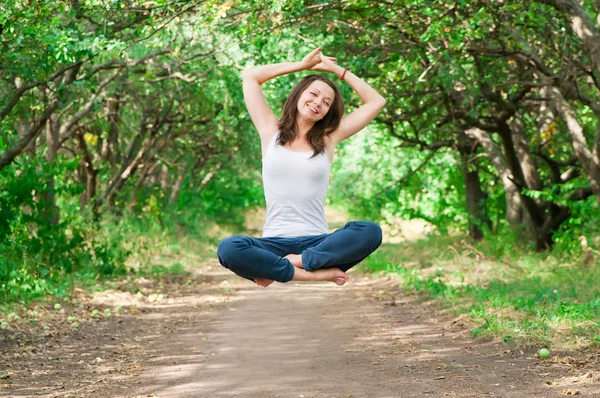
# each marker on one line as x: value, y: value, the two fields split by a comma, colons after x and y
x: 316, y: 61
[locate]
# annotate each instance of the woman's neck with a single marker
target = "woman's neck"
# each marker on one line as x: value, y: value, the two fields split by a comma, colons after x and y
x: 303, y: 127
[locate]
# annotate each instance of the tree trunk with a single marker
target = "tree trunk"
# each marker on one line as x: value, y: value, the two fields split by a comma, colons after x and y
x: 476, y: 199
x: 547, y: 114
x: 164, y: 177
x: 530, y: 173
x: 532, y: 211
x: 595, y: 167
x: 148, y: 167
x: 590, y: 160
x: 113, y: 151
x: 209, y: 176
x: 51, y: 212
x: 91, y: 174
x: 514, y: 214
x: 542, y: 224
x: 177, y: 187
x: 528, y: 167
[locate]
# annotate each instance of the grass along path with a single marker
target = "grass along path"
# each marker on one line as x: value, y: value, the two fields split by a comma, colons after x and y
x: 531, y: 299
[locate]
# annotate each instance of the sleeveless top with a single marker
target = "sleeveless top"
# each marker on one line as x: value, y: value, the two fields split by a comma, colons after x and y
x: 295, y: 189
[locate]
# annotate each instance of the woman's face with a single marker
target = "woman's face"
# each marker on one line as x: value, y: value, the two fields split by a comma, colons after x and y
x: 315, y: 101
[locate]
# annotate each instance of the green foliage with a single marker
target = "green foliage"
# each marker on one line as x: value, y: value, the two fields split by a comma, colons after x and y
x: 192, y: 124
x: 153, y: 127
x: 160, y: 271
x: 373, y: 180
x: 529, y: 298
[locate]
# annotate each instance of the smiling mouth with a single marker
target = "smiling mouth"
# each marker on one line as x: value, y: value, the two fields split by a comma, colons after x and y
x: 312, y: 109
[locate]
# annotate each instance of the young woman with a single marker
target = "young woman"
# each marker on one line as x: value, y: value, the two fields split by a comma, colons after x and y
x: 297, y: 153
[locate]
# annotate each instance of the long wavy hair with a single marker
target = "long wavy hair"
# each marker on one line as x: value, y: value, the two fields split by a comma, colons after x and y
x: 288, y: 130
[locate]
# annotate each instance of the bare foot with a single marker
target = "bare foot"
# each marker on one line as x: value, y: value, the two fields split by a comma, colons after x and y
x: 263, y: 282
x: 295, y: 259
x: 334, y: 275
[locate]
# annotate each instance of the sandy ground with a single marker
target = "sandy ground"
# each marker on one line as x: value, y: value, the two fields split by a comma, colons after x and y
x: 228, y: 337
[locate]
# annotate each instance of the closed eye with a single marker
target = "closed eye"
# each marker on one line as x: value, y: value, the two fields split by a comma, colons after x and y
x: 326, y: 103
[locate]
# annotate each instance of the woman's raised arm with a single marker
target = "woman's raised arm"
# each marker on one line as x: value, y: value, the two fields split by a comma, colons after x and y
x: 360, y: 118
x: 262, y: 116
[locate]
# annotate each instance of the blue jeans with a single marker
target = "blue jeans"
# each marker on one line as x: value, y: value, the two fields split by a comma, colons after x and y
x: 262, y: 258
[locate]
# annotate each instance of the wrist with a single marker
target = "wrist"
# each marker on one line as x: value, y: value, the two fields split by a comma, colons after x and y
x: 300, y: 66
x: 338, y: 70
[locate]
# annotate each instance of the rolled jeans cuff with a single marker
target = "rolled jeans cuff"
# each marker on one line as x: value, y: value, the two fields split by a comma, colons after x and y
x: 306, y: 261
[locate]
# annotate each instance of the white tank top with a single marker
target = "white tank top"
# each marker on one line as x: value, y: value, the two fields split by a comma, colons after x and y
x: 295, y: 189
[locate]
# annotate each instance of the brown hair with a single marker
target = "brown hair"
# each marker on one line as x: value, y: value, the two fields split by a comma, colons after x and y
x: 288, y: 130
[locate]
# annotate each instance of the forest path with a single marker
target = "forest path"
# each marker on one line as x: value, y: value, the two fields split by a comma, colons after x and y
x: 366, y: 339
x: 229, y: 337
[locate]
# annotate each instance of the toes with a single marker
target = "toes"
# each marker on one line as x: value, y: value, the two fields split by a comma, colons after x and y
x: 340, y: 281
x: 263, y: 282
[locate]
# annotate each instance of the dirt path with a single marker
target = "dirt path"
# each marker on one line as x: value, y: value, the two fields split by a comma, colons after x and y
x: 228, y: 337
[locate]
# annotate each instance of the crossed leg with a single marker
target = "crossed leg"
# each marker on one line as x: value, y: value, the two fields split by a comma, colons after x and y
x: 260, y: 260
x: 332, y: 274
x: 330, y: 256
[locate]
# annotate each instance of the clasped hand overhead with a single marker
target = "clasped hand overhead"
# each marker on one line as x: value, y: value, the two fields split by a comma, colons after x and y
x: 316, y: 61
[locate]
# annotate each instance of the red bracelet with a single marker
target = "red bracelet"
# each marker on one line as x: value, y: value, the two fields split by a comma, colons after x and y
x: 343, y: 74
